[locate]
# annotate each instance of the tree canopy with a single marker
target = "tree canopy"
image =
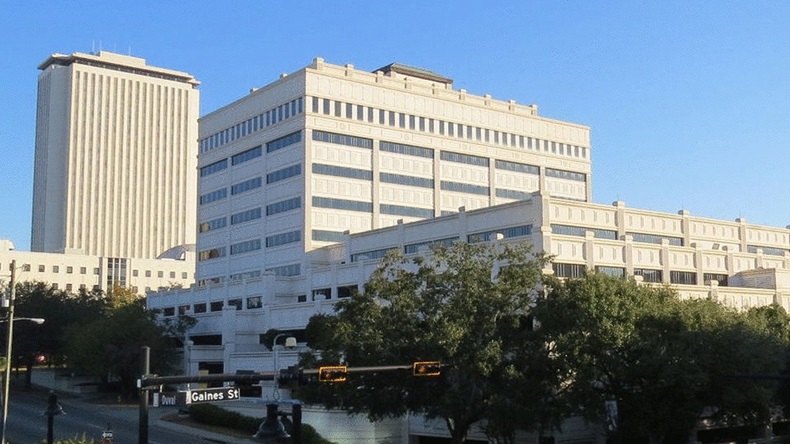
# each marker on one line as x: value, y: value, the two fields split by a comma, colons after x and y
x: 465, y: 306
x: 521, y: 351
x: 98, y: 334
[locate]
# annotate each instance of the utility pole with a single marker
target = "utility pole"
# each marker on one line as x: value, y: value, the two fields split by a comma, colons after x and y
x: 8, y: 351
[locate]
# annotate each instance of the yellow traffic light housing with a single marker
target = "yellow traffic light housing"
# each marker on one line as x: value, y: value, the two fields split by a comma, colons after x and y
x: 334, y: 373
x: 427, y: 368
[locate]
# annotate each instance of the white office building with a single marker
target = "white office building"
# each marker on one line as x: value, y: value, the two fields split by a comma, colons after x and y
x: 75, y: 272
x: 115, y: 157
x: 306, y: 183
x: 330, y: 149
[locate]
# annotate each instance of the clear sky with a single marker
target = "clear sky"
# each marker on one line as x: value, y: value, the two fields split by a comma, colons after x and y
x: 688, y: 101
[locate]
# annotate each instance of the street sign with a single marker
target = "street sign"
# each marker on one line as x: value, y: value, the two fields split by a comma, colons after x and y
x: 212, y: 395
x: 168, y: 399
x: 172, y: 399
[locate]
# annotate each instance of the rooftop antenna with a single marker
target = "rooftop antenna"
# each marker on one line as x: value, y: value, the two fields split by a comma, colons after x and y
x: 93, y: 46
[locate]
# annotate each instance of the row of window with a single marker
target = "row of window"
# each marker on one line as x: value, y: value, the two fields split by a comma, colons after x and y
x: 256, y: 302
x: 251, y: 154
x: 443, y: 128
x: 485, y: 236
x: 251, y: 245
x: 767, y: 250
x: 251, y: 214
x: 574, y: 271
x: 115, y: 266
x: 249, y: 126
x: 283, y: 270
x: 571, y: 230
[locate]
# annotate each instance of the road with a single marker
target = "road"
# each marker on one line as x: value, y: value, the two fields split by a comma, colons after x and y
x: 28, y: 425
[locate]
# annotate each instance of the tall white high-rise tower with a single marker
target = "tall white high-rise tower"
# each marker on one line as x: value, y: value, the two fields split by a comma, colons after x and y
x: 116, y: 155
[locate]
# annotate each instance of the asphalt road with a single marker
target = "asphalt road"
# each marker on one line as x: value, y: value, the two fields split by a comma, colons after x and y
x: 28, y: 425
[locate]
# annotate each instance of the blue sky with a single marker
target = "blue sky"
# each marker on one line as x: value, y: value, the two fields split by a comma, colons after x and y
x: 688, y: 101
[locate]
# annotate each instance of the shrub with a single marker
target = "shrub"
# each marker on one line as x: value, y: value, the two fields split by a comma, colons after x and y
x: 217, y: 416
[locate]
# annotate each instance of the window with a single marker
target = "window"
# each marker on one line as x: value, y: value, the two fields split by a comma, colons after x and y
x: 254, y: 302
x: 656, y: 239
x: 69, y: 269
x: 328, y: 236
x: 654, y: 276
x: 464, y: 188
x: 401, y: 179
x: 570, y: 230
x: 401, y: 210
x: 406, y: 149
x: 235, y: 303
x: 331, y: 170
x: 374, y: 254
x: 341, y: 139
x: 83, y: 270
x: 721, y: 278
x: 286, y: 270
x: 42, y: 268
x: 184, y: 275
x: 135, y: 273
x: 283, y: 238
x: 464, y: 158
x: 183, y: 309
x: 147, y: 273
x: 55, y: 269
x: 199, y: 307
x: 246, y: 185
x: 283, y: 141
x: 766, y: 250
x: 172, y: 275
x: 415, y: 248
x: 618, y: 272
x: 213, y: 224
x: 285, y: 173
x: 572, y: 271
x: 169, y: 311
x: 342, y: 204
x: 346, y: 291
x: 245, y: 216
x: 214, y: 196
x: 512, y: 194
x: 160, y: 274
x: 214, y: 168
x: 683, y: 277
x: 211, y: 253
x: 284, y: 205
x: 248, y: 155
x: 68, y: 288
x: 562, y: 174
x: 245, y: 247
x: 321, y: 294
x: 486, y: 236
x: 216, y: 306
x: 517, y: 167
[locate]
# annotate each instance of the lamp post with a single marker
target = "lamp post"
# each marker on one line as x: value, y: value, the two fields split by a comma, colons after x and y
x: 290, y: 342
x: 8, y: 350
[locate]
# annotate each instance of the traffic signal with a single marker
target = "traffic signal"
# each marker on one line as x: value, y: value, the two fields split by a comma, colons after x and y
x: 334, y: 373
x: 290, y: 375
x: 427, y: 368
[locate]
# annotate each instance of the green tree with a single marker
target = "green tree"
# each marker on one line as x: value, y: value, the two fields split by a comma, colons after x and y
x: 109, y: 346
x: 465, y: 306
x: 60, y: 310
x: 662, y: 359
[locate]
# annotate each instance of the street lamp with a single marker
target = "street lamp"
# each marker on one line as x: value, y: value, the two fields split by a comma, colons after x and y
x: 290, y: 342
x: 9, y: 342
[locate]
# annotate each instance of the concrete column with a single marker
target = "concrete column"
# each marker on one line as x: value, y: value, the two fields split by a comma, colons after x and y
x: 620, y: 217
x: 665, y: 261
